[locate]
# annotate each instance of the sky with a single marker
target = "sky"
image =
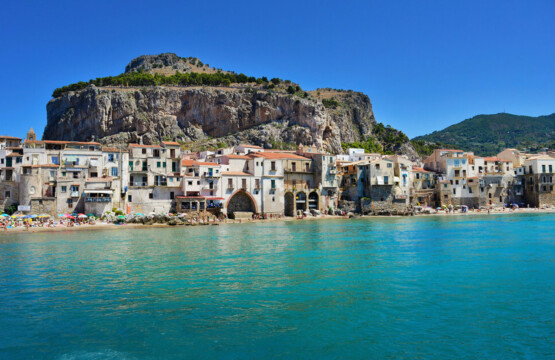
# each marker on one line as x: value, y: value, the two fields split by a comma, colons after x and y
x: 424, y: 64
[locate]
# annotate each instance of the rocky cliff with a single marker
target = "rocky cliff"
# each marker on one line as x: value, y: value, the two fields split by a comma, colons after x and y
x: 203, y: 116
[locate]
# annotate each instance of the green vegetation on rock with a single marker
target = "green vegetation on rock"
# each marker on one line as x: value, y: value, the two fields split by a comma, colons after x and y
x: 384, y: 140
x: 147, y: 79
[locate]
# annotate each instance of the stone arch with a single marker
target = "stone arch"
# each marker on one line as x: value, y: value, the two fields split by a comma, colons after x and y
x: 241, y: 201
x: 300, y: 201
x: 289, y: 204
x: 313, y: 200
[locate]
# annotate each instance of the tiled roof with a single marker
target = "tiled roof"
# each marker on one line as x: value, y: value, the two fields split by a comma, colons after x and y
x: 46, y: 166
x: 59, y: 142
x: 278, y: 156
x: 145, y: 146
x: 9, y: 137
x: 233, y: 156
x: 187, y: 162
x: 110, y: 149
x: 419, y: 169
x: 171, y: 143
x: 251, y: 146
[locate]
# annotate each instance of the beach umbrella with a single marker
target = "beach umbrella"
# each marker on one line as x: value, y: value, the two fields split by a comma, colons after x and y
x: 44, y: 215
x: 121, y: 217
x: 90, y: 215
x: 71, y: 217
x: 140, y: 214
x: 5, y: 215
x: 82, y: 216
x: 34, y: 216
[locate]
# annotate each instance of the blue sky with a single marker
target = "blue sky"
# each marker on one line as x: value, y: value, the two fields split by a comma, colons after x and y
x: 424, y: 64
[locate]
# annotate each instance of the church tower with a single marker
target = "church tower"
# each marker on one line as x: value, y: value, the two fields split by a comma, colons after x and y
x: 31, y: 135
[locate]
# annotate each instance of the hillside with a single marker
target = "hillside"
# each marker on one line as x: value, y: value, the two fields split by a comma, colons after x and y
x: 489, y: 134
x: 165, y: 97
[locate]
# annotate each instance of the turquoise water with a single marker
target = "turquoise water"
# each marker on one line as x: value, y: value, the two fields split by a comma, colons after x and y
x: 389, y: 288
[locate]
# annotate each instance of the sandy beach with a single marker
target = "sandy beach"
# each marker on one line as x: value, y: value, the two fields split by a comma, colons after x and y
x: 110, y: 226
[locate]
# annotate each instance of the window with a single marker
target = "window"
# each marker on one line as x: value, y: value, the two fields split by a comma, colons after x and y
x: 470, y: 190
x: 244, y: 183
x: 273, y: 184
x: 156, y: 153
x: 273, y: 166
x: 164, y: 164
x: 454, y: 191
x: 543, y: 168
x: 307, y: 167
x: 389, y: 165
x: 131, y: 165
x: 110, y: 157
x: 63, y: 174
x: 386, y: 180
x: 7, y: 194
x: 114, y: 171
x: 377, y: 166
x: 55, y: 160
x: 257, y: 183
x: 151, y: 196
x: 143, y: 151
x: 144, y: 165
x: 172, y: 195
x: 74, y: 188
x: 550, y: 168
x: 64, y: 189
x: 129, y: 198
x: 190, y: 183
x: 158, y: 164
x: 230, y: 183
x: 76, y: 175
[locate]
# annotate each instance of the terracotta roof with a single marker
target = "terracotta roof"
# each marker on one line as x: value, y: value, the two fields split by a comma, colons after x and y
x: 236, y: 173
x: 189, y: 162
x: 419, y: 169
x: 55, y: 142
x: 215, y: 198
x: 97, y: 179
x: 278, y: 156
x: 251, y: 146
x: 453, y: 150
x: 33, y: 142
x: 9, y: 137
x: 190, y: 197
x: 145, y: 146
x: 233, y: 156
x: 110, y: 149
x: 492, y: 158
x: 171, y: 143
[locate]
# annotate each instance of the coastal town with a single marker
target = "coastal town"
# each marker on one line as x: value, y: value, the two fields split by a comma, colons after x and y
x: 51, y: 178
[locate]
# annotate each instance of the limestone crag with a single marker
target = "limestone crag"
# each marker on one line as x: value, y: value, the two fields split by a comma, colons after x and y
x: 191, y: 114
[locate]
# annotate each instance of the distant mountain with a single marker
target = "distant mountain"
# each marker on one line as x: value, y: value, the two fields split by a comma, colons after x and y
x: 489, y: 134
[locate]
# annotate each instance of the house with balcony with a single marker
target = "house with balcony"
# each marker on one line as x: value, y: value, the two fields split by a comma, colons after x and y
x: 538, y: 178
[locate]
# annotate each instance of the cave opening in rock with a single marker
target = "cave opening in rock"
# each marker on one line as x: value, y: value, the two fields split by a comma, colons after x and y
x: 326, y: 136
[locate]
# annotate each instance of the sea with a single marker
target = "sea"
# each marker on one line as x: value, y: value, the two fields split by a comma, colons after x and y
x: 437, y: 287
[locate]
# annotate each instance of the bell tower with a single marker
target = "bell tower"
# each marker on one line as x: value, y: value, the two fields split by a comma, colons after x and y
x: 31, y: 135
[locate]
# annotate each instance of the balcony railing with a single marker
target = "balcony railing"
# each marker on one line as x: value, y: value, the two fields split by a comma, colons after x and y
x: 139, y: 183
x: 75, y: 194
x: 102, y: 200
x: 210, y: 174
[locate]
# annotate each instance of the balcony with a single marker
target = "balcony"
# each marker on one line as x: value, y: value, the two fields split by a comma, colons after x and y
x: 75, y: 194
x: 210, y: 175
x: 139, y: 183
x: 100, y: 200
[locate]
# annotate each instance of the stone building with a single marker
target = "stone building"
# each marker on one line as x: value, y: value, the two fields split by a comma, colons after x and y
x: 538, y: 179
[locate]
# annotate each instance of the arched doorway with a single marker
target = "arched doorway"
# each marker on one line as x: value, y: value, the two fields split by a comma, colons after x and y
x: 300, y: 201
x: 242, y: 202
x: 289, y: 204
x: 313, y: 200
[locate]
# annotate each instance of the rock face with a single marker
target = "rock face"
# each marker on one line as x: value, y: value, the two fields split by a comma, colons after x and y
x: 232, y: 115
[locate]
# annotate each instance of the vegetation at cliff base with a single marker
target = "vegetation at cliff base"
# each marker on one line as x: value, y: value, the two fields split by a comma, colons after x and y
x: 384, y: 140
x: 490, y: 134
